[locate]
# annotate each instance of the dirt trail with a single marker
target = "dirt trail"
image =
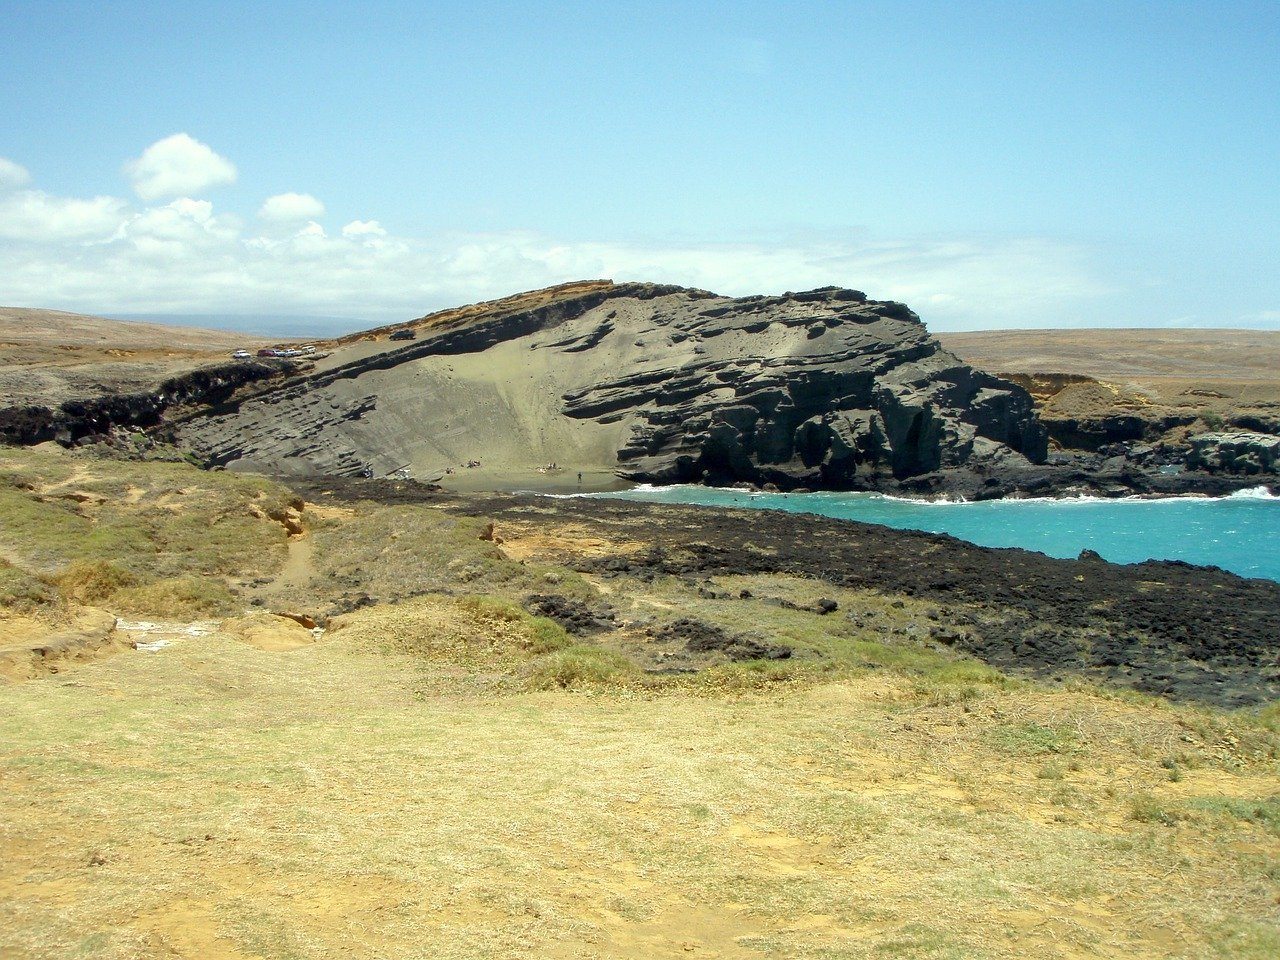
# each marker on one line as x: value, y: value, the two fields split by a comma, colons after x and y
x: 297, y: 570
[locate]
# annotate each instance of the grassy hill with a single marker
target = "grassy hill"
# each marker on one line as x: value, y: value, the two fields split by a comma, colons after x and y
x: 443, y: 773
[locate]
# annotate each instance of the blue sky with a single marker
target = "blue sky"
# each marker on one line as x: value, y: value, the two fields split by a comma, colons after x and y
x: 993, y: 164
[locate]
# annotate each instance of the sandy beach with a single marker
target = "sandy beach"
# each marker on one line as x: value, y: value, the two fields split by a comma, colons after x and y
x: 514, y: 479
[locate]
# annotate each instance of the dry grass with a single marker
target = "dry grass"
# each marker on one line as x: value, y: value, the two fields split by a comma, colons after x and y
x: 154, y: 538
x: 214, y: 800
x: 449, y: 777
x: 1207, y: 354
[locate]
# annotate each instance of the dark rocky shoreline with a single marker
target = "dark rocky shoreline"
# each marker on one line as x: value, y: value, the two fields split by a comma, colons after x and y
x: 1069, y: 477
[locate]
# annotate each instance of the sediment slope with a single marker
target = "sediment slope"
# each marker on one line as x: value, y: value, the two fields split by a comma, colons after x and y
x: 824, y: 388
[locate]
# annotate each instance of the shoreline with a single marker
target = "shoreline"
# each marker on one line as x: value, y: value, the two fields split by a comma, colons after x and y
x: 1045, y: 485
x: 1259, y: 491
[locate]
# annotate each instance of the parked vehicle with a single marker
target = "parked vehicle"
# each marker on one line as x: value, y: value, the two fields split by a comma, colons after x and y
x: 268, y: 352
x: 241, y: 355
x: 404, y: 335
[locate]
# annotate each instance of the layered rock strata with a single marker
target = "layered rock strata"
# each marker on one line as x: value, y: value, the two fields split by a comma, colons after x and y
x: 821, y: 389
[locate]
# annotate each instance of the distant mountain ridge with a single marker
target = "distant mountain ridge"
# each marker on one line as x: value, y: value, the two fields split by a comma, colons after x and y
x: 32, y: 325
x: 281, y: 325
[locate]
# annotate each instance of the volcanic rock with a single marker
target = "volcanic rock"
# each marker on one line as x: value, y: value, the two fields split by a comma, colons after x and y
x: 1239, y: 452
x: 823, y: 389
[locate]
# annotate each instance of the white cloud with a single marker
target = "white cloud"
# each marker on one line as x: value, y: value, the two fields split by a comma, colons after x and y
x: 177, y: 166
x: 363, y: 228
x: 291, y: 207
x: 100, y: 254
x: 179, y: 230
x: 183, y: 257
x: 12, y: 175
x: 35, y: 216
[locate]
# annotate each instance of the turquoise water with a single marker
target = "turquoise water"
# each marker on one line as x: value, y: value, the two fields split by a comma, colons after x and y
x: 1240, y: 533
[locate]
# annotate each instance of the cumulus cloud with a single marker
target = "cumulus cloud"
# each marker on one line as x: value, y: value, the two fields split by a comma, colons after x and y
x: 177, y: 254
x: 291, y: 207
x: 363, y: 228
x: 12, y: 175
x: 177, y: 166
x: 179, y: 230
x: 184, y: 257
x: 35, y: 216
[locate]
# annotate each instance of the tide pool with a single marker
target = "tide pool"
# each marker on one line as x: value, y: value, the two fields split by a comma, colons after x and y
x: 1240, y: 533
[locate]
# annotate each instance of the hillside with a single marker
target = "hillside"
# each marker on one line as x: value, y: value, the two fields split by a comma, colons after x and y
x: 825, y: 388
x: 1111, y: 354
x: 591, y: 384
x: 65, y: 334
x: 48, y: 357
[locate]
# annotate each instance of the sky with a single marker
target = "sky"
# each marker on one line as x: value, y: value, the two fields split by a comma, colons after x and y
x: 994, y: 165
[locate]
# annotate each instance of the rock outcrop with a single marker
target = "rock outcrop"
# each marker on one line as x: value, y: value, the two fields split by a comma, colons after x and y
x: 97, y: 415
x: 90, y: 634
x: 820, y: 389
x: 1237, y: 452
x: 843, y: 387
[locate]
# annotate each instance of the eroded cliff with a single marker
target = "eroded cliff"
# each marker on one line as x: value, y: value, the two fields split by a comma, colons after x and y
x: 822, y: 389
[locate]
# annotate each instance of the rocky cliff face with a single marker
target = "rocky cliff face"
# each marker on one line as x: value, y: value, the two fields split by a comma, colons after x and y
x: 823, y: 388
x: 820, y: 389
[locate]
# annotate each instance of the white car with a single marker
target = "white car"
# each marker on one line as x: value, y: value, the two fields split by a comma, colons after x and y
x: 242, y: 355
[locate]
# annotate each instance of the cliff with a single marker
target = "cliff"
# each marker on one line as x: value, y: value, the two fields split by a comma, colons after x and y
x: 820, y: 389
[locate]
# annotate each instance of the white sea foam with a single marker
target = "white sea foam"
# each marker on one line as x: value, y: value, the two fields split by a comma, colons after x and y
x: 1081, y: 499
x: 1253, y: 493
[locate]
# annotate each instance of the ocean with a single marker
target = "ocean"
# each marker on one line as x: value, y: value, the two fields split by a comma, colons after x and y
x: 1240, y: 533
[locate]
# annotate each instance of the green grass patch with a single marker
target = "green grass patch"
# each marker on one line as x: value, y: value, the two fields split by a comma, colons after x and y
x: 154, y: 520
x: 1263, y: 812
x: 543, y: 635
x: 94, y: 581
x: 177, y: 598
x: 1032, y: 739
x: 581, y: 666
x: 1145, y: 808
x: 757, y: 675
x: 1267, y: 717
x: 403, y: 551
x: 20, y: 592
x: 1239, y: 939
